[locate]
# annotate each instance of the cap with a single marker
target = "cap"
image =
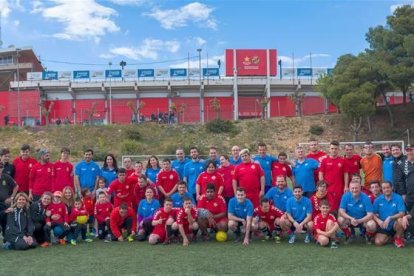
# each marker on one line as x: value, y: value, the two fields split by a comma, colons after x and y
x: 58, y: 193
x: 409, y: 147
x: 43, y: 151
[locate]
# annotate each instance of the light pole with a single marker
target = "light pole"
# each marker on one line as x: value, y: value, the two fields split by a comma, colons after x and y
x: 110, y: 93
x: 18, y: 88
x: 201, y: 88
x: 122, y: 64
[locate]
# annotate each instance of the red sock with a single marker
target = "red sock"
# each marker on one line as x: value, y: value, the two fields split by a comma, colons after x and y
x: 370, y: 234
x: 346, y: 231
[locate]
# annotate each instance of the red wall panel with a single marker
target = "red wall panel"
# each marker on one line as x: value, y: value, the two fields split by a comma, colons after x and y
x: 4, y: 106
x: 29, y: 105
x: 249, y: 107
x: 121, y: 113
x: 226, y: 108
x: 282, y: 106
x: 191, y: 113
x: 313, y: 105
x: 83, y: 106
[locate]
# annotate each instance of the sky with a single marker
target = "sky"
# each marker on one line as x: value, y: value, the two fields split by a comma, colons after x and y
x: 72, y: 35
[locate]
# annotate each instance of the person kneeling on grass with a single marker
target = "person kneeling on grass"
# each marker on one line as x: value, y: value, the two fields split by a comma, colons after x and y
x: 58, y: 219
x: 162, y: 222
x: 389, y: 210
x: 102, y: 212
x: 19, y: 229
x: 77, y: 220
x: 123, y: 223
x: 299, y: 213
x: 325, y: 225
x: 240, y: 216
x: 146, y: 211
x: 187, y: 221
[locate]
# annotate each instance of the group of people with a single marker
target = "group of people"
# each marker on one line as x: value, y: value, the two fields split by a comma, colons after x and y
x: 44, y: 203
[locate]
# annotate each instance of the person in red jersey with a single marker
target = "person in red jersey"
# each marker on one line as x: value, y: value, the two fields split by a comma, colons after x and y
x: 375, y: 190
x: 122, y: 188
x: 212, y: 212
x: 209, y: 176
x: 316, y: 154
x: 123, y: 222
x: 58, y: 218
x: 129, y: 169
x: 325, y: 226
x: 320, y: 194
x: 352, y: 160
x: 281, y: 167
x: 138, y: 170
x: 63, y: 172
x: 77, y: 228
x: 332, y: 170
x: 23, y: 164
x: 267, y: 217
x: 41, y: 176
x: 142, y: 185
x: 249, y: 176
x: 227, y: 171
x: 102, y: 213
x: 162, y: 222
x: 186, y: 222
x: 167, y: 180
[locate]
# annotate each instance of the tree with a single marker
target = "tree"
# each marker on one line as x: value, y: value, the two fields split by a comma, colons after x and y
x: 264, y: 101
x: 46, y: 111
x: 91, y: 112
x: 135, y: 110
x: 215, y: 105
x: 181, y: 110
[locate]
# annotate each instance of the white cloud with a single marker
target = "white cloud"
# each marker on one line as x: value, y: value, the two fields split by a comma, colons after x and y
x: 6, y: 7
x: 301, y: 61
x: 196, y: 42
x: 191, y: 13
x: 194, y: 63
x: 82, y: 20
x: 128, y: 2
x: 149, y: 49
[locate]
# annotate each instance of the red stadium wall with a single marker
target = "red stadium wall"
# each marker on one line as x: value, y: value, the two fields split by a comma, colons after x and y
x: 84, y: 106
x: 29, y: 106
x: 121, y: 113
x: 249, y: 107
x: 154, y: 106
x: 4, y: 106
x: 191, y: 113
x: 313, y: 105
x: 282, y: 106
x: 226, y: 108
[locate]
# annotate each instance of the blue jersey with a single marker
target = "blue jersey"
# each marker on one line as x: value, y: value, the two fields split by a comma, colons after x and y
x: 304, y: 174
x: 109, y: 175
x: 241, y: 210
x: 387, y: 167
x: 356, y: 208
x: 178, y: 199
x: 299, y: 209
x: 279, y: 198
x: 235, y: 162
x: 191, y: 171
x: 151, y: 174
x: 386, y: 208
x: 266, y: 164
x: 147, y: 209
x: 87, y: 174
x: 178, y: 166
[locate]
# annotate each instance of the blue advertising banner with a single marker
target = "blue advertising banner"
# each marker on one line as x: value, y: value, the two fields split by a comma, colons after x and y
x: 50, y: 75
x: 80, y: 75
x: 178, y: 72
x: 145, y: 73
x: 304, y: 72
x: 212, y: 72
x: 113, y: 73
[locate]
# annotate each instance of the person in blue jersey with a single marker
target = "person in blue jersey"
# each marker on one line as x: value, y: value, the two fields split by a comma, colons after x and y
x: 235, y: 155
x: 389, y: 210
x: 279, y: 194
x: 109, y: 169
x: 179, y: 163
x: 192, y: 170
x: 265, y: 161
x: 146, y: 210
x: 240, y: 215
x: 303, y: 169
x: 356, y: 210
x: 213, y: 156
x: 178, y: 197
x: 87, y: 173
x: 299, y: 214
x: 152, y: 169
x: 387, y: 163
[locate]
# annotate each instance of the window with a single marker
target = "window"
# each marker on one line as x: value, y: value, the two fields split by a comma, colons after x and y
x: 6, y: 60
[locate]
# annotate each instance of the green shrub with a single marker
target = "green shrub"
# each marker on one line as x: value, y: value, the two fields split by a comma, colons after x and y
x: 221, y: 126
x: 133, y: 134
x: 131, y: 147
x: 316, y: 129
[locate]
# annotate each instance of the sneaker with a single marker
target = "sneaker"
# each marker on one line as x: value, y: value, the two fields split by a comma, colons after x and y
x: 130, y: 238
x: 292, y: 238
x: 368, y: 239
x: 108, y: 238
x: 308, y: 238
x: 72, y: 242
x: 6, y: 246
x: 237, y: 236
x: 277, y: 239
x: 334, y: 245
x: 62, y: 242
x: 398, y: 242
x: 266, y: 238
x: 88, y: 240
x: 54, y: 240
x: 348, y: 239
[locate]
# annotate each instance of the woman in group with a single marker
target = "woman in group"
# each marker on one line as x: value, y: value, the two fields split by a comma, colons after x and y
x: 109, y: 169
x: 210, y: 175
x: 146, y: 210
x: 38, y: 213
x: 152, y: 169
x: 19, y: 230
x: 68, y: 198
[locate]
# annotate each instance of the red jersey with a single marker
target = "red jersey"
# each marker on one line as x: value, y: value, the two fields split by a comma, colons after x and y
x: 316, y: 203
x: 129, y: 172
x: 227, y: 173
x: 216, y: 205
x: 161, y: 214
x: 116, y: 221
x: 319, y: 222
x: 270, y: 216
x: 139, y: 192
x: 333, y: 170
x: 318, y: 156
x: 182, y: 217
x: 41, y: 178
x: 58, y: 209
x: 248, y: 176
x: 102, y: 211
x: 353, y: 165
x: 75, y: 213
x: 205, y: 178
x: 22, y: 173
x: 63, y: 176
x: 123, y: 191
x: 89, y: 204
x: 167, y: 180
x: 371, y: 196
x: 280, y: 169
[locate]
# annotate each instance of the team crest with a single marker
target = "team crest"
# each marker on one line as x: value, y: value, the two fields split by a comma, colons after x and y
x: 283, y: 169
x: 127, y: 186
x: 213, y: 177
x: 253, y: 167
x: 171, y: 176
x: 356, y: 163
x: 215, y: 204
x: 30, y: 165
x: 48, y: 170
x: 67, y: 169
x: 339, y: 164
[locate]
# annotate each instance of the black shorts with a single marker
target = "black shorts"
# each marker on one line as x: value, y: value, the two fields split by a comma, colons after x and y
x: 389, y: 233
x: 293, y: 228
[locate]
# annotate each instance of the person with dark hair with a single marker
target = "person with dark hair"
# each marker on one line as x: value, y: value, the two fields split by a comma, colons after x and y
x: 240, y: 215
x: 316, y: 154
x: 122, y: 189
x: 325, y: 226
x: 109, y: 169
x: 41, y: 176
x: 186, y: 222
x: 375, y: 190
x: 153, y: 168
x: 265, y: 161
x: 63, y: 171
x: 23, y: 164
x: 162, y: 222
x: 87, y: 173
x: 123, y: 223
x: 371, y: 165
x: 227, y: 171
x: 167, y: 180
x: 280, y: 194
x: 352, y: 160
x: 404, y: 177
x: 102, y: 213
x: 210, y: 175
x: 320, y: 194
x: 38, y: 213
x: 213, y: 156
x: 5, y: 159
x: 146, y: 211
x: 179, y: 163
x: 8, y: 191
x: 281, y: 167
x: 181, y: 193
x: 140, y: 188
x: 192, y: 170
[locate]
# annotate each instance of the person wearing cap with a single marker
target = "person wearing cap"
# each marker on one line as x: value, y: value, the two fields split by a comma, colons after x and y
x: 23, y: 164
x: 8, y: 190
x: 41, y: 176
x: 404, y: 178
x: 57, y: 219
x: 250, y: 176
x: 5, y: 158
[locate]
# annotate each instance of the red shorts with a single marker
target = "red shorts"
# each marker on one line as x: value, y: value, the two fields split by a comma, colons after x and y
x: 160, y: 232
x: 220, y: 220
x: 187, y: 229
x: 270, y: 225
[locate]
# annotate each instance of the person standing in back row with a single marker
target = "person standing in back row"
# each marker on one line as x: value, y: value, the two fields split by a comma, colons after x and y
x: 41, y: 176
x: 23, y: 164
x: 87, y: 173
x: 371, y: 165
